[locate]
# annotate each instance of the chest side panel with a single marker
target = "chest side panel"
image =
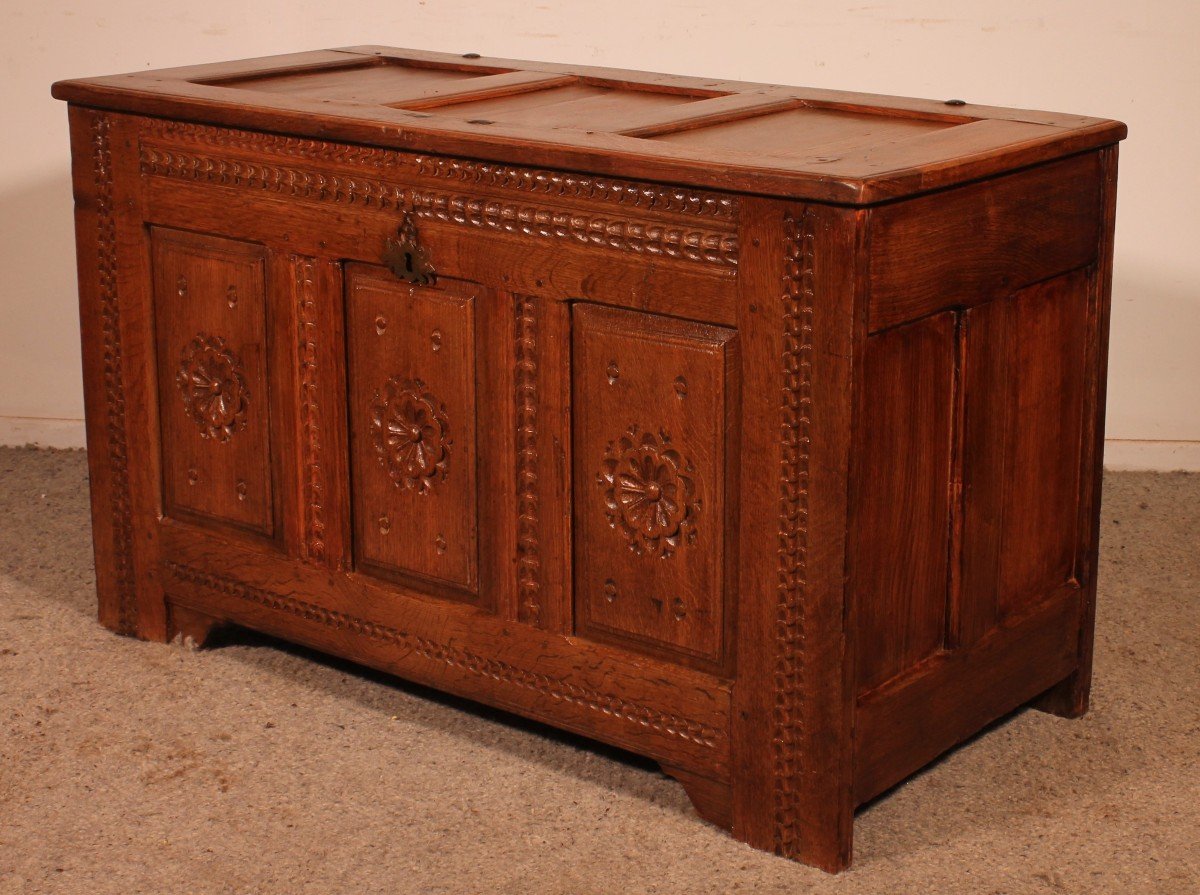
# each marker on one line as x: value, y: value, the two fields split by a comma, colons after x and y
x: 975, y: 503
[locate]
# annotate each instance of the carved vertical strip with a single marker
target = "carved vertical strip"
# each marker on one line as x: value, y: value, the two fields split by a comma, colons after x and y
x: 314, y: 485
x: 529, y: 604
x: 795, y: 421
x: 114, y: 379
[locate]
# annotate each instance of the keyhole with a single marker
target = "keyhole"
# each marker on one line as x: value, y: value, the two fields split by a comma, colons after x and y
x: 408, y: 262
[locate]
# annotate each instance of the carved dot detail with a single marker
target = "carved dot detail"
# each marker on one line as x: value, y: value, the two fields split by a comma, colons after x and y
x: 380, y: 324
x: 678, y: 609
x: 610, y: 590
x: 613, y: 372
x: 181, y: 286
x: 439, y: 544
x: 385, y: 525
x: 435, y: 339
x: 192, y: 476
x: 231, y: 297
x: 241, y: 490
x: 681, y: 387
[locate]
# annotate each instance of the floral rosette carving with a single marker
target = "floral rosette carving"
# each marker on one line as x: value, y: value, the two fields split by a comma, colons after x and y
x: 649, y: 493
x: 214, y: 389
x: 411, y: 434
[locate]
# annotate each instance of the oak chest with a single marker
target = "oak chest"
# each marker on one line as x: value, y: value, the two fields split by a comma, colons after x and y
x: 754, y: 429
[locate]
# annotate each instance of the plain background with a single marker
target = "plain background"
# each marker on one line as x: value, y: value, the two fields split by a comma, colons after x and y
x: 1111, y: 58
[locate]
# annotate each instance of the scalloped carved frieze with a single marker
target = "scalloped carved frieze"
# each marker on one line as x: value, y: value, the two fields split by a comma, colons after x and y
x: 697, y: 227
x: 556, y: 184
x: 289, y: 180
x: 642, y: 196
x: 275, y: 144
x: 652, y: 239
x: 495, y: 669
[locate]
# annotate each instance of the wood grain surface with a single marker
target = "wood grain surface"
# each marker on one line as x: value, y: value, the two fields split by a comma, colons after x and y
x: 790, y: 142
x: 695, y: 429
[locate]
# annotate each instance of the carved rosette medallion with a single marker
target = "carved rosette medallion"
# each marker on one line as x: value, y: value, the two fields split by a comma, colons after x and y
x: 411, y: 434
x: 649, y: 493
x: 213, y: 387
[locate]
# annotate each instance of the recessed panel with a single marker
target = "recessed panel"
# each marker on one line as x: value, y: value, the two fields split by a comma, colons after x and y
x: 902, y: 528
x: 210, y: 309
x: 652, y: 396
x: 411, y: 358
x: 571, y: 106
x: 1025, y: 382
x: 373, y: 83
x: 795, y: 132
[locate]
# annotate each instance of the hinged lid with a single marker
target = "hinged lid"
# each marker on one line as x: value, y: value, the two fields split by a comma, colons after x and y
x: 819, y: 145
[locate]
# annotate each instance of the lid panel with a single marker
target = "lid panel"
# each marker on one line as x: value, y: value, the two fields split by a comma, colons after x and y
x: 799, y: 143
x: 796, y: 132
x: 581, y: 106
x: 371, y: 83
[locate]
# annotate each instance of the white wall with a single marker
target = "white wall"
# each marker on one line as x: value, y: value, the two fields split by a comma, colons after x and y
x: 1133, y: 61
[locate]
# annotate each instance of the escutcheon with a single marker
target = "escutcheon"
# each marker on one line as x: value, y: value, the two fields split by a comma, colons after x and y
x: 406, y: 257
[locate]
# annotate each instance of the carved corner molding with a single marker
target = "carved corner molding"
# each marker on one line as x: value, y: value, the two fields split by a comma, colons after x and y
x: 506, y: 673
x: 529, y: 598
x: 114, y: 377
x: 795, y: 425
x: 698, y: 227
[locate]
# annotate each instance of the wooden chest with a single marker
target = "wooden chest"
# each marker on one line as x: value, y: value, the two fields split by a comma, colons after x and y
x: 754, y: 429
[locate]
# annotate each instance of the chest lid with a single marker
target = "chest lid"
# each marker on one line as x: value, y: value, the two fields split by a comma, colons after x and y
x: 803, y: 143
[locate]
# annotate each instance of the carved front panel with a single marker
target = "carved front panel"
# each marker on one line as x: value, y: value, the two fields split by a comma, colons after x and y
x: 652, y: 397
x: 412, y: 421
x: 210, y: 308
